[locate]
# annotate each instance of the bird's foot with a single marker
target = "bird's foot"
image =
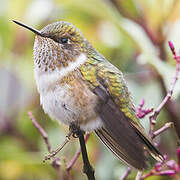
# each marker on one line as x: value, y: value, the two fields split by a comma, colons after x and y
x: 75, y: 130
x: 54, y: 152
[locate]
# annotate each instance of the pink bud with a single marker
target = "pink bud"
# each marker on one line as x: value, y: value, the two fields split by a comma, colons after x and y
x: 171, y: 45
x: 167, y: 173
x: 142, y: 103
x: 165, y: 156
x: 172, y: 49
x: 171, y: 164
x: 158, y: 166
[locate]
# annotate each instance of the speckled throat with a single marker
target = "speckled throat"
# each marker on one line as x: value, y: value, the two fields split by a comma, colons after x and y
x: 50, y: 55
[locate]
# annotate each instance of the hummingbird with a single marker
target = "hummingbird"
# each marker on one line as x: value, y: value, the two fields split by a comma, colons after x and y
x: 78, y: 85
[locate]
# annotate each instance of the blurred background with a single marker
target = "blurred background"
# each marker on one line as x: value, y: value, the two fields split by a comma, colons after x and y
x: 131, y: 34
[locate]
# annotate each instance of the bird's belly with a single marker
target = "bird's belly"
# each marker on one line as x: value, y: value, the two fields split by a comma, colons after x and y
x: 69, y: 104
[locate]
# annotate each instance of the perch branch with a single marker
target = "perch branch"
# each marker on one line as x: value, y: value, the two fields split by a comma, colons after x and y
x: 87, y: 169
x: 41, y: 130
x: 126, y: 174
x: 74, y: 159
x: 56, y: 161
x: 153, y: 117
x: 139, y: 174
x: 170, y: 92
x: 162, y: 129
x: 76, y: 156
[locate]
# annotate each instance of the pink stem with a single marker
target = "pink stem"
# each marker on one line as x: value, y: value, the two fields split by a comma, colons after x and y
x: 169, y: 94
x: 41, y: 130
x: 55, y: 163
x: 162, y: 129
x: 125, y: 175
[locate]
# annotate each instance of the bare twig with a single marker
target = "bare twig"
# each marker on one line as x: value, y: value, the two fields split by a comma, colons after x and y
x: 178, y: 153
x: 125, y: 175
x: 68, y: 175
x: 74, y: 159
x: 76, y: 156
x: 162, y: 129
x: 170, y: 92
x: 161, y: 173
x: 87, y: 169
x: 57, y: 165
x: 56, y: 162
x: 41, y: 131
x: 139, y: 174
x: 168, y: 168
x: 153, y: 117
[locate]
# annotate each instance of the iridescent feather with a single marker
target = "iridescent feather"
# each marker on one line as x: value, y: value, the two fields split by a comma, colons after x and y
x: 121, y: 131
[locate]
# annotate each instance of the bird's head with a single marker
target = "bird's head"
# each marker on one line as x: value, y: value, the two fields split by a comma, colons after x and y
x: 57, y: 45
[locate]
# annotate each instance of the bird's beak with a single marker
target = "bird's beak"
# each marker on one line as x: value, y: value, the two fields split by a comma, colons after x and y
x: 28, y: 27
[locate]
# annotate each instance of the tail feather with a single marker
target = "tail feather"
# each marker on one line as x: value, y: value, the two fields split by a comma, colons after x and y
x: 135, y: 162
x: 124, y: 138
x: 151, y: 148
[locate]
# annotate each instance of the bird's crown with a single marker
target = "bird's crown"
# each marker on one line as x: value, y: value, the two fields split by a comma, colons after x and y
x: 63, y: 32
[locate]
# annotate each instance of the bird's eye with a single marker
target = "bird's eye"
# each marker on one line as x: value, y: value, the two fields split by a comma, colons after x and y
x: 64, y: 40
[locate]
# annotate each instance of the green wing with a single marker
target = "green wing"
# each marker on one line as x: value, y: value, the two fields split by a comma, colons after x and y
x: 121, y: 131
x: 99, y: 72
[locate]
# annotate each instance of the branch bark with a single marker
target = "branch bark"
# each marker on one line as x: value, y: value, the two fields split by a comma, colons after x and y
x: 56, y: 161
x: 76, y: 156
x: 126, y: 174
x: 87, y: 169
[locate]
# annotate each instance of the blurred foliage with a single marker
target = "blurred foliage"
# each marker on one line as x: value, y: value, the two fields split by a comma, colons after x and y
x: 132, y: 34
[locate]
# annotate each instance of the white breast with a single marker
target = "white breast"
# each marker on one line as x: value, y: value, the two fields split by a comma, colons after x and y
x: 55, y: 99
x: 57, y: 103
x: 46, y: 79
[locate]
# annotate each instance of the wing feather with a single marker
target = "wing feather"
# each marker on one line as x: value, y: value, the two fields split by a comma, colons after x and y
x: 121, y: 132
x: 121, y: 136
